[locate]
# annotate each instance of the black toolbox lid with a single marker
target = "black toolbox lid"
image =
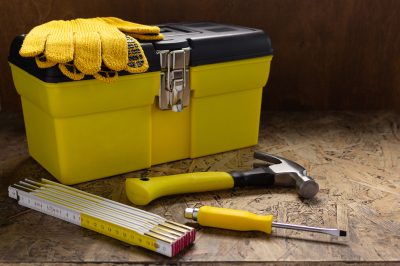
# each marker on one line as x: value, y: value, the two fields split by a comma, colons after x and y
x: 213, y: 42
x: 209, y: 43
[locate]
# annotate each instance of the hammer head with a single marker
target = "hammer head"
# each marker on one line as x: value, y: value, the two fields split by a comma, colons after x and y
x: 289, y: 173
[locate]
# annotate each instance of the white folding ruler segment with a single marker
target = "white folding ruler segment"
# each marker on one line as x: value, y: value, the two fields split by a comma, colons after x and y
x: 111, y: 218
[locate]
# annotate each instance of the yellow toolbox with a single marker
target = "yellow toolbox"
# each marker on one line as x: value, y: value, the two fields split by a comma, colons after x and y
x: 201, y: 95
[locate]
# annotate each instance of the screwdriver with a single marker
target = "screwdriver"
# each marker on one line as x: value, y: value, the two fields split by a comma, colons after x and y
x: 246, y: 221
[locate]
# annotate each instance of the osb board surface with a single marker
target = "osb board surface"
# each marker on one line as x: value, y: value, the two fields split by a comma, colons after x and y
x: 353, y: 156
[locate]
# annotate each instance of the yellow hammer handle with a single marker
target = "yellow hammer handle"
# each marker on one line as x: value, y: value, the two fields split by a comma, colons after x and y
x: 234, y: 219
x: 141, y: 191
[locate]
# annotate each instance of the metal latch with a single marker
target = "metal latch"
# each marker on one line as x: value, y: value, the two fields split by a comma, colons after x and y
x: 174, y: 85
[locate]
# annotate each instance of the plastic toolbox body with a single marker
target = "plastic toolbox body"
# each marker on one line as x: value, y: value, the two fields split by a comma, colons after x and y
x: 85, y: 130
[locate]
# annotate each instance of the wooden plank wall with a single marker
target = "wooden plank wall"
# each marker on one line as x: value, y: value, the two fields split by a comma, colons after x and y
x: 329, y: 55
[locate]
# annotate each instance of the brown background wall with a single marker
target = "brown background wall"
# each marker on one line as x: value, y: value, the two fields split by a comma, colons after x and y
x: 329, y: 54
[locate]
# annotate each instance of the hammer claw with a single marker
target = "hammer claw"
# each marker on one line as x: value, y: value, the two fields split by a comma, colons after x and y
x: 269, y: 158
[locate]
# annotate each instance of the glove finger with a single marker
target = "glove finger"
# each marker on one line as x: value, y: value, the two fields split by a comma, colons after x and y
x: 127, y: 26
x: 114, y: 49
x: 137, y: 59
x: 70, y: 71
x: 87, y: 52
x: 106, y: 76
x: 60, y: 47
x: 42, y: 62
x: 147, y: 37
x: 34, y: 42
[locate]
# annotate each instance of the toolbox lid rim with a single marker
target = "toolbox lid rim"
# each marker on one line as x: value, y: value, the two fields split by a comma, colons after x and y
x: 209, y: 43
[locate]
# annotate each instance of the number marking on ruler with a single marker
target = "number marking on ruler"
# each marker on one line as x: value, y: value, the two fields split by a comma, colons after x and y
x: 104, y: 216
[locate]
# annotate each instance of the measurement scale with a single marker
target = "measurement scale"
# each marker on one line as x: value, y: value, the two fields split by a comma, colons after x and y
x: 111, y: 218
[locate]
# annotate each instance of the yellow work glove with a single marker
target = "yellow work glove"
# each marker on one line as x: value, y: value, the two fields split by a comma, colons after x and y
x: 136, y: 30
x: 80, y: 47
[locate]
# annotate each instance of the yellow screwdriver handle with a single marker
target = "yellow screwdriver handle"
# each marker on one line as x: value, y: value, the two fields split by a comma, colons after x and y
x: 141, y: 191
x: 234, y: 219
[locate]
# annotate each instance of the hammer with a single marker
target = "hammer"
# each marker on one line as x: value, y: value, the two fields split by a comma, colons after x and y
x: 274, y: 171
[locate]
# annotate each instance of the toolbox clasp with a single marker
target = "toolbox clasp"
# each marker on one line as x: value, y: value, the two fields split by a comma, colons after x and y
x: 174, y: 79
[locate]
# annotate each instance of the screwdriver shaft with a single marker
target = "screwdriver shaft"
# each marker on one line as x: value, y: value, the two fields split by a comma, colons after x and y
x: 329, y: 231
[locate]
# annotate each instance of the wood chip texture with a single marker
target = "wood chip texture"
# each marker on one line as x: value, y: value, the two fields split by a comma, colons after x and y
x: 355, y: 158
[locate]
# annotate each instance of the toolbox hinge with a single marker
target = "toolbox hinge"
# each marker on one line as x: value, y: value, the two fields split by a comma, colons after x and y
x: 174, y: 85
